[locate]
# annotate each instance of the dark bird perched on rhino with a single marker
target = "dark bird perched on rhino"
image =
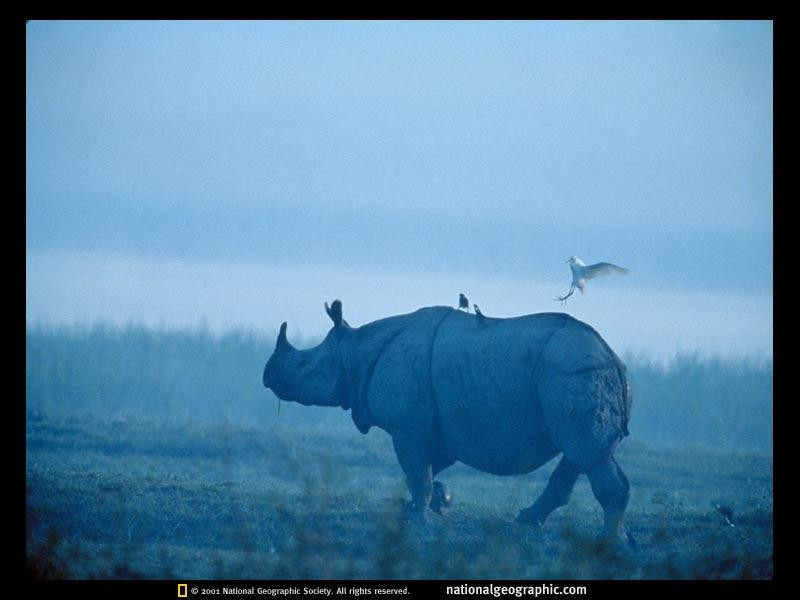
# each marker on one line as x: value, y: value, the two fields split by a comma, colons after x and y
x: 504, y: 396
x: 478, y: 314
x: 463, y: 302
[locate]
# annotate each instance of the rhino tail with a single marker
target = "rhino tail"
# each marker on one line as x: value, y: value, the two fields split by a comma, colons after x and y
x: 627, y: 395
x: 628, y: 404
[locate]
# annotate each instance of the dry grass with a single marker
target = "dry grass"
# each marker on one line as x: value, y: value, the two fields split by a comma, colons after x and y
x: 137, y: 500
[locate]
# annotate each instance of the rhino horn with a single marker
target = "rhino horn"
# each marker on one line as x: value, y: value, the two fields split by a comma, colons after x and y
x: 282, y: 341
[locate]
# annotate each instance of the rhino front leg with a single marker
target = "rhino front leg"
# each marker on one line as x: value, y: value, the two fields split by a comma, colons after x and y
x: 442, y: 498
x: 416, y: 463
x: 611, y: 488
x: 555, y: 494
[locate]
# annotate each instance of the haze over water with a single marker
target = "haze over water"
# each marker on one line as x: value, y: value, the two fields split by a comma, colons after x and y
x: 240, y: 174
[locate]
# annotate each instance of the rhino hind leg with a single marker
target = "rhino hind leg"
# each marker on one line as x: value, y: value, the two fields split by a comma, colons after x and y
x: 611, y: 488
x: 555, y: 494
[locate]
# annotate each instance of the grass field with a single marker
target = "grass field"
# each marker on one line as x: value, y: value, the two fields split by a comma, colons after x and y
x: 158, y: 455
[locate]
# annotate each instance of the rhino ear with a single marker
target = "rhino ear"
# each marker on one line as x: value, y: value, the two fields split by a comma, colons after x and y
x: 335, y: 312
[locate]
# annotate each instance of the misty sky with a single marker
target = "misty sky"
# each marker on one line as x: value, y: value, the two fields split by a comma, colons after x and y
x: 240, y: 173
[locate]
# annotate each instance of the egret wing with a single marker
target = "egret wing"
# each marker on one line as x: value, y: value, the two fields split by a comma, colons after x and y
x: 602, y: 268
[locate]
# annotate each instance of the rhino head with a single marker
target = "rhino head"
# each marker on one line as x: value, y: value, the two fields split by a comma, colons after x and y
x: 315, y: 376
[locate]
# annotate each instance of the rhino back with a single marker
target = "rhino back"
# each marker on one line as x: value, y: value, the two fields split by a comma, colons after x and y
x: 484, y: 384
x: 502, y: 395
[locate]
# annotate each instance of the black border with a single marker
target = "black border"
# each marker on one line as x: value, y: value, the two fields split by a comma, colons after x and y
x: 417, y: 588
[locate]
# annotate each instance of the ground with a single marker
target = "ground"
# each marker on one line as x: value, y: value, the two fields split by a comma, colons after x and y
x: 136, y: 499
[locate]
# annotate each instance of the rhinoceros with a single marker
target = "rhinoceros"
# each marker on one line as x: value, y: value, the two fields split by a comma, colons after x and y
x: 504, y: 396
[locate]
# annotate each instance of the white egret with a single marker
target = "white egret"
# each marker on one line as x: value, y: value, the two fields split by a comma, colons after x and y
x: 582, y: 273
